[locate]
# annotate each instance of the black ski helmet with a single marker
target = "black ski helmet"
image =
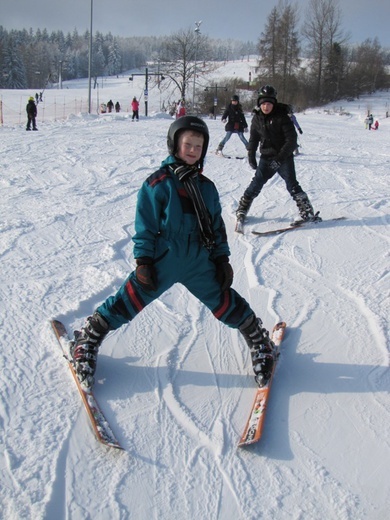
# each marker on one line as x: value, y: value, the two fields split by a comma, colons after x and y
x: 187, y: 123
x: 267, y: 94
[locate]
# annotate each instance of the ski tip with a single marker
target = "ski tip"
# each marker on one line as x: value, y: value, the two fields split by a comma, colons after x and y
x: 239, y: 227
x: 58, y: 327
x: 280, y: 325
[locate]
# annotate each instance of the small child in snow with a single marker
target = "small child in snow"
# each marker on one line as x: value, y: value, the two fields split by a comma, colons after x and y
x: 236, y: 123
x: 180, y: 237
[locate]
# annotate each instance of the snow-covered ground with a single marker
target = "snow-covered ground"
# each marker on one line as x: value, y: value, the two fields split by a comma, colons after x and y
x: 175, y: 384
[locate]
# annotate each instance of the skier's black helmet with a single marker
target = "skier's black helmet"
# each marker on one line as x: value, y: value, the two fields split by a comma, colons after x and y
x: 187, y: 123
x: 267, y: 94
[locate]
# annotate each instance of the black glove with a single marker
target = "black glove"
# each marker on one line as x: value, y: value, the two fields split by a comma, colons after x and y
x: 300, y: 131
x: 146, y: 273
x: 252, y: 162
x: 274, y: 165
x: 224, y: 273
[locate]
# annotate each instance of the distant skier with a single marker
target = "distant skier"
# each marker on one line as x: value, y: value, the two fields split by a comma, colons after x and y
x: 295, y: 121
x: 117, y: 107
x: 135, y: 109
x: 110, y: 106
x: 376, y: 125
x: 32, y: 112
x: 297, y: 126
x: 181, y: 109
x: 180, y: 238
x: 236, y: 123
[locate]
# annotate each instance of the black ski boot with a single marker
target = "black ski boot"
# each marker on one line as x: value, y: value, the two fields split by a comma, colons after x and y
x: 305, y: 208
x: 84, y: 349
x: 261, y: 347
x: 243, y: 208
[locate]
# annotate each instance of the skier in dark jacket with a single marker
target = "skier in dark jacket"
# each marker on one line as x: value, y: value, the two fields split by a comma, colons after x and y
x: 180, y: 237
x: 32, y: 112
x: 273, y: 131
x: 236, y: 123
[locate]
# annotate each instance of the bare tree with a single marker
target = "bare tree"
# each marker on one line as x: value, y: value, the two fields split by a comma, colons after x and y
x: 289, y: 46
x: 322, y: 29
x: 368, y: 67
x: 183, y: 55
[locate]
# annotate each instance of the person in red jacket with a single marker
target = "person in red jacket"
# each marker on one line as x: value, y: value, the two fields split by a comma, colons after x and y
x: 135, y: 108
x: 181, y: 109
x: 376, y: 125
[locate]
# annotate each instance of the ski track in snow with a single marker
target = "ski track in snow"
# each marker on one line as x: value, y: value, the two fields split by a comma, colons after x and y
x: 175, y: 385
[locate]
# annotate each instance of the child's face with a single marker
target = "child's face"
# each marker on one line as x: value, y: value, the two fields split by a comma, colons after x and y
x: 190, y: 147
x: 266, y: 108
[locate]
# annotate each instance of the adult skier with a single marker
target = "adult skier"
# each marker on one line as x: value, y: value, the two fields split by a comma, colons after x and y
x: 32, y: 112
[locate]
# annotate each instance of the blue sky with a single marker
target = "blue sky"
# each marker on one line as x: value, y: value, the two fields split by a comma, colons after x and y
x: 243, y: 20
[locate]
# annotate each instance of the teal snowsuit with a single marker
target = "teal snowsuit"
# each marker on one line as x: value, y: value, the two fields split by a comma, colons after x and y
x: 167, y: 230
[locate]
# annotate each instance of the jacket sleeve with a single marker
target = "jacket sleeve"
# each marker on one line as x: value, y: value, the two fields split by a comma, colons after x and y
x: 147, y: 222
x: 254, y: 139
x: 225, y: 115
x: 243, y: 121
x: 221, y: 242
x: 290, y: 139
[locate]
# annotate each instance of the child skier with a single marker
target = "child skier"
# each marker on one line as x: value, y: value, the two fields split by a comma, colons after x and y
x: 180, y: 237
x: 236, y: 123
x: 273, y: 131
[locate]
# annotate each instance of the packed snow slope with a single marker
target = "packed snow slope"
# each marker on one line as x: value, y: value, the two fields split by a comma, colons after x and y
x: 175, y: 384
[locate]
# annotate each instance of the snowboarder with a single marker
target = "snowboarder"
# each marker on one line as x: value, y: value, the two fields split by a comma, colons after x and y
x: 32, y: 112
x: 273, y: 129
x: 180, y: 237
x: 236, y: 123
x: 370, y: 121
x: 135, y: 108
x: 117, y: 107
x: 110, y: 106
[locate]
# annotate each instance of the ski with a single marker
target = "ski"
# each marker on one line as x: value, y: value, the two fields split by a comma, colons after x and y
x: 98, y: 422
x: 255, y: 423
x: 295, y: 225
x: 239, y: 226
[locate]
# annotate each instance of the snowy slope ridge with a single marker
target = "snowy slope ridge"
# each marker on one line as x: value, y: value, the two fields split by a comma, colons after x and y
x: 175, y: 384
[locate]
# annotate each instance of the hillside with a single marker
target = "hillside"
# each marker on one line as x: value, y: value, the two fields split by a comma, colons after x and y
x: 175, y: 384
